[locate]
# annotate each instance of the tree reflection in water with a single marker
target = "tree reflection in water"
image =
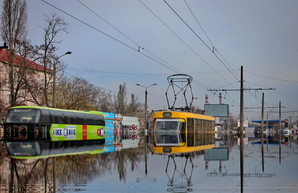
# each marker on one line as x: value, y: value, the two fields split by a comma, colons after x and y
x: 47, y: 174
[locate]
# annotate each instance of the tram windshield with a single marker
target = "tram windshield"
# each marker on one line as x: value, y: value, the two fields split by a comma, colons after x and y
x: 167, y: 140
x: 166, y: 124
x: 23, y: 148
x: 47, y: 148
x: 169, y: 132
x: 23, y: 115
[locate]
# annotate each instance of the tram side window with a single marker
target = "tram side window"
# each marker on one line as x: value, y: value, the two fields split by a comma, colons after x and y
x: 80, y: 119
x: 212, y: 133
x: 99, y: 120
x: 210, y: 136
x: 190, y: 133
x: 69, y: 118
x: 182, y: 131
x: 57, y: 117
x: 90, y: 119
x: 208, y: 132
x: 45, y: 116
x: 197, y: 136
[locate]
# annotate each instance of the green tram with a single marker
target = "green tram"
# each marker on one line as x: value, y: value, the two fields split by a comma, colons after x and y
x: 36, y: 132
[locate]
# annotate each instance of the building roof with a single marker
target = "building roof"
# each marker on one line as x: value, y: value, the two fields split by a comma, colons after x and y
x: 270, y: 122
x: 4, y: 57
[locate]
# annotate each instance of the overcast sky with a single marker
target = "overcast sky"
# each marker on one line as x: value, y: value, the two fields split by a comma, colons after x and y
x: 105, y: 37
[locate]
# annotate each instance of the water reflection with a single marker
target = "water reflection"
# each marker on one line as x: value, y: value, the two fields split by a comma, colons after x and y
x: 42, y: 165
x: 180, y: 144
x: 179, y: 179
x: 120, y: 166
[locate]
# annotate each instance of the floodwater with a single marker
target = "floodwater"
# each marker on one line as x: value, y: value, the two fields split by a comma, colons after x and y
x: 129, y: 166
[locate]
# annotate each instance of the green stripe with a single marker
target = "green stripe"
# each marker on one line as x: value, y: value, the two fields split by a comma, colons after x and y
x: 55, y: 109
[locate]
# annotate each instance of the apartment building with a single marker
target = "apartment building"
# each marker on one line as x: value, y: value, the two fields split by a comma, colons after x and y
x: 28, y: 78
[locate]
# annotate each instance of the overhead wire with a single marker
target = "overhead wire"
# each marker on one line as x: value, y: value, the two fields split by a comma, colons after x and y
x: 177, y: 36
x: 113, y: 91
x: 139, y: 74
x: 74, y: 76
x: 192, y: 13
x: 119, y: 73
x: 213, y: 47
x: 123, y: 43
x: 113, y: 38
x: 270, y: 77
x: 206, y: 45
x: 139, y: 47
x: 103, y: 19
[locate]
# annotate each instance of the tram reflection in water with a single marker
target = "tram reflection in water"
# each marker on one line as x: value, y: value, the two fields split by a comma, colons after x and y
x: 179, y: 135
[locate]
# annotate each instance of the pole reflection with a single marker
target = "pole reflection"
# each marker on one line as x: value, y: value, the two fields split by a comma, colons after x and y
x: 178, y: 173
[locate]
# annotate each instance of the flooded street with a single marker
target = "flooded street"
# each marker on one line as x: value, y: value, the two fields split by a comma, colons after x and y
x: 130, y: 167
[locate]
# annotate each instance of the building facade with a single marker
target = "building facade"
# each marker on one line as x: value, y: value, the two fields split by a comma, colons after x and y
x: 28, y: 80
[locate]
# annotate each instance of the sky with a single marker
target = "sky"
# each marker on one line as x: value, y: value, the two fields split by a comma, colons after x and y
x: 145, y: 41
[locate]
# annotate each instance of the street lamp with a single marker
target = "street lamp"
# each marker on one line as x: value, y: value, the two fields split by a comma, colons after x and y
x: 146, y: 93
x: 146, y: 126
x: 54, y: 78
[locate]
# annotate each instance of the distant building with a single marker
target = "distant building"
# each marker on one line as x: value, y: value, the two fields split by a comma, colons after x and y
x: 22, y: 67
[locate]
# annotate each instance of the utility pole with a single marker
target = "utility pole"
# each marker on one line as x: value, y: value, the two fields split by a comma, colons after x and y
x: 279, y: 132
x: 241, y: 129
x: 242, y: 89
x: 262, y: 129
x: 146, y: 125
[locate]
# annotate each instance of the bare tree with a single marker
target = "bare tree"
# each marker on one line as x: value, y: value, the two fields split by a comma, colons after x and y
x: 133, y: 106
x: 55, y: 25
x: 120, y: 100
x: 101, y: 100
x: 79, y: 94
x: 26, y: 78
x: 13, y: 32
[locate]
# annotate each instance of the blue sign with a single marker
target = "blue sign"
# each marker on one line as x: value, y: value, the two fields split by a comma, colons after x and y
x: 109, y: 115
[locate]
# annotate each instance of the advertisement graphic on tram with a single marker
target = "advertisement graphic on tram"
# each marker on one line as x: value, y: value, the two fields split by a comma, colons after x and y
x: 41, y: 131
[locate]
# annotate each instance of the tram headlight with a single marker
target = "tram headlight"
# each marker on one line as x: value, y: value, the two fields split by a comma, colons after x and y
x: 22, y: 132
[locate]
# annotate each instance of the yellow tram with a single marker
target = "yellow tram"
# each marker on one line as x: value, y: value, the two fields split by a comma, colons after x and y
x: 182, y: 132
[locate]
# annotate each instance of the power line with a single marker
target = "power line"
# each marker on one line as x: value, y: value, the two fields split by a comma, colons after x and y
x: 85, y: 23
x: 270, y: 77
x: 115, y: 39
x: 239, y: 89
x: 118, y: 73
x: 139, y: 47
x: 177, y: 36
x: 199, y: 23
x: 108, y: 22
x: 211, y: 49
x: 137, y: 73
x: 214, y: 49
